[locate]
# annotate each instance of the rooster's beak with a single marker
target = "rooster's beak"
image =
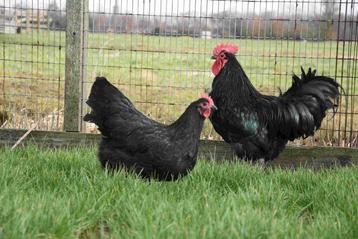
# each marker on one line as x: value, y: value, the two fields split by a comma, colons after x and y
x: 214, y: 107
x: 213, y: 57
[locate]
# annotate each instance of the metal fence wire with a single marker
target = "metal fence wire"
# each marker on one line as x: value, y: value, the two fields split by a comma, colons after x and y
x: 158, y: 53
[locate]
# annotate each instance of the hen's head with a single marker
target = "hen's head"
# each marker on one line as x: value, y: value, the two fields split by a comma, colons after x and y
x: 220, y: 54
x: 205, y: 105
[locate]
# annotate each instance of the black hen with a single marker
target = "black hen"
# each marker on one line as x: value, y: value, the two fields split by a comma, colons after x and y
x: 259, y: 126
x: 133, y: 141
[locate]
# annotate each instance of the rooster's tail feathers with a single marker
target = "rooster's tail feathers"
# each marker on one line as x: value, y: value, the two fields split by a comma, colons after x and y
x: 307, y: 101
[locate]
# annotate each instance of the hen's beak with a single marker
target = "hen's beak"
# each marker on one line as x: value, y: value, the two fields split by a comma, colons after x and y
x: 214, y: 107
x: 213, y: 57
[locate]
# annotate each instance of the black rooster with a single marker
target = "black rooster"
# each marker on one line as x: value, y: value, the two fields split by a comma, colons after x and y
x: 133, y: 141
x: 259, y: 126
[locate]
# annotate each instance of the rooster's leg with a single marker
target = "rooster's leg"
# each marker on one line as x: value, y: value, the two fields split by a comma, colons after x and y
x: 261, y: 161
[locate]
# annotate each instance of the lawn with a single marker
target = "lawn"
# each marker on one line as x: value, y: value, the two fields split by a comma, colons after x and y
x: 48, y: 193
x: 162, y: 75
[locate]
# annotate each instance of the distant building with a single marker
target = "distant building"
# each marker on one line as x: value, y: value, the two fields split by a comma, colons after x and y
x: 15, y: 21
x: 7, y: 21
x: 29, y: 19
x: 206, y: 34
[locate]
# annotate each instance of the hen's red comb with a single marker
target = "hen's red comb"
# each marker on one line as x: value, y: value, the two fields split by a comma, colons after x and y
x: 208, y: 98
x: 231, y: 48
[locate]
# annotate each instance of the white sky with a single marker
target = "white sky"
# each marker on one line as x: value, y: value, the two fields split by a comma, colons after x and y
x: 197, y: 7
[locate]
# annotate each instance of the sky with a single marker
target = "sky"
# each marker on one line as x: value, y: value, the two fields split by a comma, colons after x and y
x: 195, y: 7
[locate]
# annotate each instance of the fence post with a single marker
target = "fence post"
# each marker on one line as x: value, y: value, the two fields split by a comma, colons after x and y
x: 75, y: 16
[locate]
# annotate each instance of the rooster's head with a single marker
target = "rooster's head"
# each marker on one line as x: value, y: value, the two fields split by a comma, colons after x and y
x: 220, y: 57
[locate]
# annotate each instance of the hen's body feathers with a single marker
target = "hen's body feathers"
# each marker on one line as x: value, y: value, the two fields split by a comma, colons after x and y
x: 133, y: 141
x: 259, y: 126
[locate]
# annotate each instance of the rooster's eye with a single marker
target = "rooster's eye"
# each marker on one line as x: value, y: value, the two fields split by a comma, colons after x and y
x: 205, y: 104
x: 222, y: 55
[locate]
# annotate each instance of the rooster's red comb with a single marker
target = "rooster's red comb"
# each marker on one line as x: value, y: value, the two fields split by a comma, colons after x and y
x: 208, y: 98
x: 231, y: 48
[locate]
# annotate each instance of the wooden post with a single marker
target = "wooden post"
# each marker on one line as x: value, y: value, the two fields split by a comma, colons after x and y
x: 75, y: 10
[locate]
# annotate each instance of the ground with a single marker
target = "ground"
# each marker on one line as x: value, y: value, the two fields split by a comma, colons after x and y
x: 65, y: 194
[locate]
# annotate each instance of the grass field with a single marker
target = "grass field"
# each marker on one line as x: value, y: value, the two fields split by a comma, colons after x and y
x: 65, y: 194
x: 161, y: 74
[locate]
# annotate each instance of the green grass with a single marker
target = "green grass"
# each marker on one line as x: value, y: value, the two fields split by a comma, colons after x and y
x: 162, y: 75
x: 65, y: 194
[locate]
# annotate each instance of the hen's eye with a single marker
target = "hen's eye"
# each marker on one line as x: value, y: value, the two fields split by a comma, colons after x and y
x: 205, y: 104
x: 222, y: 55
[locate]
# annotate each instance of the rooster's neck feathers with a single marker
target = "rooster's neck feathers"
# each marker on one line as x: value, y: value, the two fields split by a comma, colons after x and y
x: 232, y: 83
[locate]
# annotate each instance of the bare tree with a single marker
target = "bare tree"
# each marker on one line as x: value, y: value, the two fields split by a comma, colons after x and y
x: 57, y: 19
x: 330, y: 10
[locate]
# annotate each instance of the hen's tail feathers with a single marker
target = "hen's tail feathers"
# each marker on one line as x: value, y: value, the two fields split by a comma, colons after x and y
x: 307, y: 101
x: 104, y: 100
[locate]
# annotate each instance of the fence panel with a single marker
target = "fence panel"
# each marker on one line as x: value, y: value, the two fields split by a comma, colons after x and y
x: 158, y: 53
x: 32, y: 64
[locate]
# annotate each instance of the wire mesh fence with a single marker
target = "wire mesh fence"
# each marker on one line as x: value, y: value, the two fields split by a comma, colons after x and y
x: 32, y: 64
x: 158, y: 53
